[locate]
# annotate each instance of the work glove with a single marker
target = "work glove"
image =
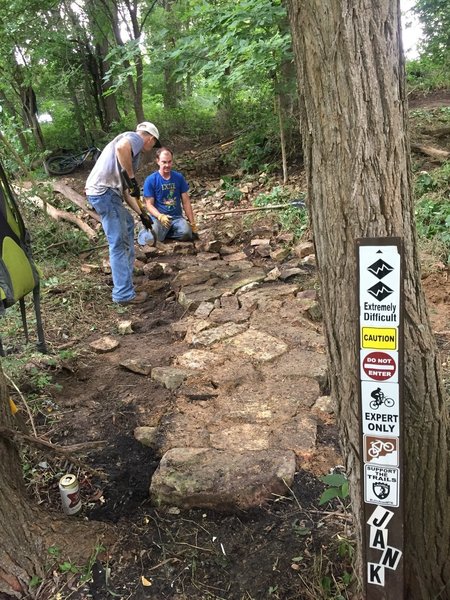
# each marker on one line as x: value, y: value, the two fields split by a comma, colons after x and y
x: 146, y: 220
x: 194, y: 231
x: 134, y: 188
x: 165, y: 220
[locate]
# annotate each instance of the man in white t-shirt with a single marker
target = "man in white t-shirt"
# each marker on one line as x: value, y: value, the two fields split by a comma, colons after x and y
x: 106, y: 191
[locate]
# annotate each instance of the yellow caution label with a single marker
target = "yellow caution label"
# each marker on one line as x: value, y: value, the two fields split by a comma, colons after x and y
x: 379, y: 338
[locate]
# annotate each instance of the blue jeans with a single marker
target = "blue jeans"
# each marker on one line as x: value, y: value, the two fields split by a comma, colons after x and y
x: 179, y: 229
x: 118, y: 225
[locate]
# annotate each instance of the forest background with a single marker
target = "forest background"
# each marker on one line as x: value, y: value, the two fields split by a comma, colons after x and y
x: 77, y: 73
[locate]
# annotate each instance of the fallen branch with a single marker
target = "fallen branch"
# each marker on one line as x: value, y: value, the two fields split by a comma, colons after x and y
x: 88, y: 251
x: 22, y: 397
x: 436, y: 153
x: 439, y: 132
x: 297, y: 203
x: 62, y: 215
x: 75, y: 197
x: 66, y: 451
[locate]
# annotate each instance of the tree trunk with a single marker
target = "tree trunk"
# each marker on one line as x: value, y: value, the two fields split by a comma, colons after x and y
x: 16, y: 116
x: 278, y: 108
x: 29, y: 108
x: 27, y: 531
x: 350, y: 73
x: 77, y: 114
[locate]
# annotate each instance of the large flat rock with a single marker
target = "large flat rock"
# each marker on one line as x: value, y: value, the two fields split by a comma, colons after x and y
x: 221, y: 480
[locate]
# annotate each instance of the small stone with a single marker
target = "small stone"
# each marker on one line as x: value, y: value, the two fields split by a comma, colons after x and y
x: 287, y: 273
x: 136, y: 365
x: 280, y: 254
x: 309, y: 260
x: 325, y: 404
x: 170, y: 377
x: 303, y: 249
x: 273, y: 275
x: 263, y: 250
x: 204, y: 310
x: 104, y: 344
x: 125, y: 327
x: 145, y: 435
x: 153, y: 270
x: 106, y: 267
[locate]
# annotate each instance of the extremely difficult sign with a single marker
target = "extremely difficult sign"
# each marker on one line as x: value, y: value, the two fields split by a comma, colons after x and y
x: 380, y: 332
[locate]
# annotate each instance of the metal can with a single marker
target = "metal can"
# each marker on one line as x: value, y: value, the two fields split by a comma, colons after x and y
x: 70, y: 494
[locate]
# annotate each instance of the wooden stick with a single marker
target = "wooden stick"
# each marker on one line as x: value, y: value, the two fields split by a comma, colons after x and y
x: 436, y: 153
x: 254, y: 209
x: 67, y: 451
x: 62, y: 215
x: 74, y: 197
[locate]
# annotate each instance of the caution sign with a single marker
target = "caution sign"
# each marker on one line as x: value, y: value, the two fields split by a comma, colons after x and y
x: 379, y: 366
x: 379, y: 338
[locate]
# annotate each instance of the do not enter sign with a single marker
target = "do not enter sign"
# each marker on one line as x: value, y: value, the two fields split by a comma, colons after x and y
x: 379, y: 366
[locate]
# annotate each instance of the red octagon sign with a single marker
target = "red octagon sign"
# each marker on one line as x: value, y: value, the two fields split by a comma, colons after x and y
x: 379, y: 366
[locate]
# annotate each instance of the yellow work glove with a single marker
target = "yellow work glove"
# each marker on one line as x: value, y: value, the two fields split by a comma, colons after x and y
x: 165, y: 220
x: 194, y: 230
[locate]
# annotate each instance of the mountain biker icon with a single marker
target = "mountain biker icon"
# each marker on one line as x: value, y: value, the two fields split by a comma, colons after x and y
x: 379, y: 398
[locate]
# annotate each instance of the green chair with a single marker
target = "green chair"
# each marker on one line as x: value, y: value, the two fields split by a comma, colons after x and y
x: 18, y: 273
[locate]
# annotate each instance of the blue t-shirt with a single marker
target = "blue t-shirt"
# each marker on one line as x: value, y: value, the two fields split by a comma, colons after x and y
x: 166, y: 192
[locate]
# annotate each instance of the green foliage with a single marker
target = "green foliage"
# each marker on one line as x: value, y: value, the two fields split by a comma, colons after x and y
x: 231, y: 191
x: 292, y: 218
x: 258, y: 148
x: 432, y: 209
x: 434, y: 16
x: 424, y: 74
x: 277, y: 196
x: 337, y: 487
x: 433, y: 221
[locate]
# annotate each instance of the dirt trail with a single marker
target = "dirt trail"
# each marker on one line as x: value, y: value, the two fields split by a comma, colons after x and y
x: 226, y: 356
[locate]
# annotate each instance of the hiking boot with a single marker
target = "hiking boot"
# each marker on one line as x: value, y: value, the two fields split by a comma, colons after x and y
x: 138, y: 299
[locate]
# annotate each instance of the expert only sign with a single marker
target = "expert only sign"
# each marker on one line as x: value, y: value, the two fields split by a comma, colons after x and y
x: 380, y: 324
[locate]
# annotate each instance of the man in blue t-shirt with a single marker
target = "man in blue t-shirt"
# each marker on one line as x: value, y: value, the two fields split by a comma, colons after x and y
x: 166, y: 195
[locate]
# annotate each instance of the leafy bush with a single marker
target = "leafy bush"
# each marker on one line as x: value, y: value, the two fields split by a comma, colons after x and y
x: 432, y: 207
x: 424, y: 74
x: 292, y: 218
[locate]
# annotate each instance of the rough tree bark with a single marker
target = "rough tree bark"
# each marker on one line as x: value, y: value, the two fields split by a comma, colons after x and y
x: 27, y: 531
x: 354, y: 127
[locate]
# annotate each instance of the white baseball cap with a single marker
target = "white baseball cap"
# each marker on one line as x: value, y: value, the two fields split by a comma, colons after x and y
x: 151, y: 129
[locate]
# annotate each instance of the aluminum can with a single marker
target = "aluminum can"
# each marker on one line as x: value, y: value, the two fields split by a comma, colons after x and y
x: 70, y: 494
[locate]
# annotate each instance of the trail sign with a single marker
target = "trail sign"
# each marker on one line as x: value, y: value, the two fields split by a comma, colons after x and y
x: 379, y: 366
x: 380, y: 293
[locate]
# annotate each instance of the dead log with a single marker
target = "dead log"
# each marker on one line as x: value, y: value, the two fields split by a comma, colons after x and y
x: 436, y: 132
x: 431, y: 151
x: 74, y: 197
x: 62, y: 215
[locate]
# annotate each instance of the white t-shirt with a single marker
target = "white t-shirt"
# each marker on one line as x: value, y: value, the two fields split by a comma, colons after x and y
x: 106, y: 172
